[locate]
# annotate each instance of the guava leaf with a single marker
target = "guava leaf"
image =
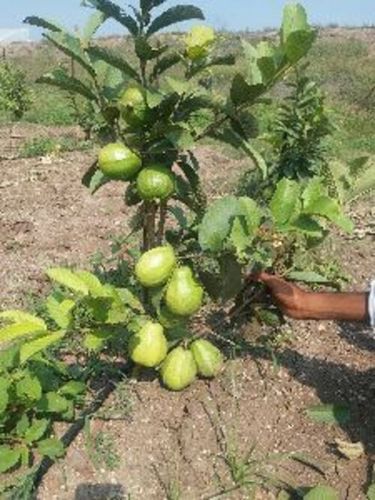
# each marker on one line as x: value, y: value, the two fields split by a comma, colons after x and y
x: 312, y: 192
x: 110, y: 9
x: 92, y: 26
x: 285, y: 201
x: 22, y: 425
x: 180, y: 137
x: 114, y: 58
x: 73, y: 388
x: 43, y: 23
x: 130, y: 299
x: 174, y: 15
x: 219, y: 218
x: 329, y: 413
x: 96, y: 289
x: 16, y: 316
x: 60, y: 310
x: 308, y: 226
x: 9, y: 358
x: 32, y: 347
x: 29, y: 388
x: 330, y: 209
x: 216, y: 223
x: 238, y: 236
x: 163, y: 64
x: 37, y: 430
x: 254, y: 74
x: 147, y: 5
x: 154, y: 98
x: 51, y: 447
x: 230, y: 277
x: 4, y: 395
x: 242, y: 92
x: 95, y: 340
x: 17, y: 330
x: 71, y: 46
x: 179, y: 86
x: 68, y: 279
x: 8, y: 458
x: 60, y: 78
x: 266, y: 61
x: 52, y: 402
x: 296, y: 34
x: 94, y: 178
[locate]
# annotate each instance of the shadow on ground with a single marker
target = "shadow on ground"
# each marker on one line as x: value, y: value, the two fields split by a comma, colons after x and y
x: 100, y: 492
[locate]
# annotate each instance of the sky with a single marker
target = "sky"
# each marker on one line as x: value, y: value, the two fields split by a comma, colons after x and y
x: 224, y: 14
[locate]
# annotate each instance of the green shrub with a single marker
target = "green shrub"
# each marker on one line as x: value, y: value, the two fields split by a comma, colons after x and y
x: 15, y: 95
x: 42, y: 146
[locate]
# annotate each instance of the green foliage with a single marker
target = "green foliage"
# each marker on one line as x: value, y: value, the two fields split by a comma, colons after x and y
x: 329, y: 414
x: 15, y: 94
x: 213, y: 242
x: 36, y: 389
x: 299, y: 131
x: 42, y: 146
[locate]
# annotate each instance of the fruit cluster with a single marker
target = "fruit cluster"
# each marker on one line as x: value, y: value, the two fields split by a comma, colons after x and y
x: 118, y: 162
x: 183, y: 297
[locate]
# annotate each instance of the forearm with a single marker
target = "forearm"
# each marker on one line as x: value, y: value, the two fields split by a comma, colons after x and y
x: 335, y: 306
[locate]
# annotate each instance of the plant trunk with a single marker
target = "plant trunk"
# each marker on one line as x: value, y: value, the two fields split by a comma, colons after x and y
x: 162, y: 219
x: 149, y: 235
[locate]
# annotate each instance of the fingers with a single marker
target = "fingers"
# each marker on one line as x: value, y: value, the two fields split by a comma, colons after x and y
x: 259, y: 276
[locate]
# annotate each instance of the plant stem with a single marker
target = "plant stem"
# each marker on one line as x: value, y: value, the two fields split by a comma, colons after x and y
x: 162, y: 219
x: 149, y: 211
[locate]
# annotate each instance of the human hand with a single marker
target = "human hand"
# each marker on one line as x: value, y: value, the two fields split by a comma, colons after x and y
x: 290, y: 298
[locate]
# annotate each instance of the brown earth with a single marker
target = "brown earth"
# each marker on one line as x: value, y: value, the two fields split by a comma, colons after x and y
x: 184, y: 441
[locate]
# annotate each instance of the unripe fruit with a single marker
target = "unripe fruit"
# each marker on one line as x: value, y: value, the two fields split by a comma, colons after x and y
x: 133, y: 106
x: 208, y: 358
x: 322, y: 492
x: 118, y: 162
x: 184, y: 294
x: 179, y: 369
x: 156, y: 182
x: 149, y: 346
x: 155, y: 266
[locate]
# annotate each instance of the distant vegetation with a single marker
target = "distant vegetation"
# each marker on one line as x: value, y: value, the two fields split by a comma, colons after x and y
x: 342, y: 64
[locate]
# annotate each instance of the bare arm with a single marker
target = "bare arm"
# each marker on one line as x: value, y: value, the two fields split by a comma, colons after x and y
x: 297, y: 303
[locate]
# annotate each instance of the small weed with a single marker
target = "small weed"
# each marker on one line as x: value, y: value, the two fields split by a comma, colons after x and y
x: 101, y: 449
x: 42, y: 146
x: 173, y: 491
x: 121, y: 406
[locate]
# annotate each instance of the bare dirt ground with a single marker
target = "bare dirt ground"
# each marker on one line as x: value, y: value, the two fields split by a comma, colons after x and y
x: 177, y: 443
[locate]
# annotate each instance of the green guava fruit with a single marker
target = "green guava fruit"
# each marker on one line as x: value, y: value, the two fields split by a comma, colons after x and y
x: 208, y: 358
x: 156, y: 182
x: 155, y: 266
x: 118, y: 162
x: 178, y: 369
x: 199, y: 41
x: 184, y: 294
x: 149, y: 346
x: 322, y: 492
x: 133, y: 106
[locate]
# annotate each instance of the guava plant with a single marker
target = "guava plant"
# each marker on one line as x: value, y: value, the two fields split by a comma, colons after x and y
x: 189, y: 252
x: 158, y: 104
